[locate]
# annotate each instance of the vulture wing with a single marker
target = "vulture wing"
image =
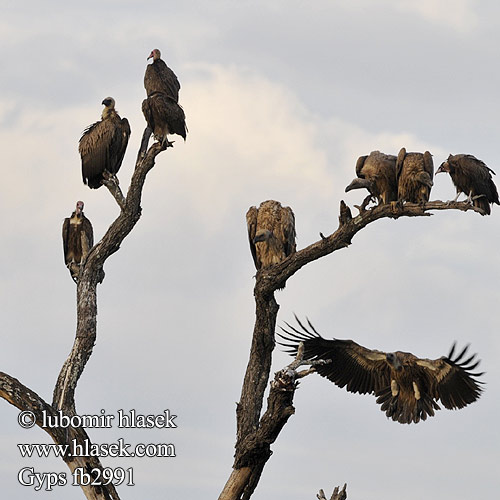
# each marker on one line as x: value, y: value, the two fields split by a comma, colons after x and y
x: 453, y: 380
x: 252, y: 229
x: 350, y: 365
x: 359, y: 166
x: 65, y: 237
x: 118, y: 145
x: 288, y: 227
x: 88, y: 231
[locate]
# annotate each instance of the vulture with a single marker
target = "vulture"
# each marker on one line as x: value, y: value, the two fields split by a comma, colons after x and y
x: 160, y: 78
x: 414, y: 173
x: 161, y: 107
x: 271, y: 233
x: 472, y: 177
x: 103, y: 144
x: 377, y: 173
x: 406, y: 387
x: 78, y: 239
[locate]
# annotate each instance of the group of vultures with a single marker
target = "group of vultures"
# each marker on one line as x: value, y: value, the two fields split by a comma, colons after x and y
x: 407, y: 388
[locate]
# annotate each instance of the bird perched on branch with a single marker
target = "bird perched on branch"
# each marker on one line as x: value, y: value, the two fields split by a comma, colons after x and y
x: 406, y: 387
x: 161, y: 107
x: 78, y: 239
x: 160, y: 78
x: 271, y: 233
x: 103, y: 144
x: 472, y: 177
x: 377, y: 173
x: 414, y: 173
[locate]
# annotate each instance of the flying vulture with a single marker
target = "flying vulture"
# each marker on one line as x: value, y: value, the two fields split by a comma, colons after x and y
x: 160, y: 78
x: 103, y: 145
x: 271, y: 232
x: 78, y: 239
x: 377, y: 173
x: 414, y: 173
x: 406, y: 387
x: 472, y: 177
x: 161, y: 107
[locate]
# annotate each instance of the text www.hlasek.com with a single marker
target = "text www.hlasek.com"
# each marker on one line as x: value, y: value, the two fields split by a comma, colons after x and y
x: 118, y: 449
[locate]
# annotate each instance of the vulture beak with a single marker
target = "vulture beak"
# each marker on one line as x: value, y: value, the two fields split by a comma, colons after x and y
x: 440, y: 169
x: 150, y: 56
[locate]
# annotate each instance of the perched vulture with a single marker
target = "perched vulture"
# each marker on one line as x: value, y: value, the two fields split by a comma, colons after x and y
x: 164, y: 116
x: 472, y: 177
x: 377, y: 173
x: 103, y: 145
x: 406, y: 387
x: 414, y: 173
x: 78, y: 239
x: 160, y: 78
x: 161, y: 107
x: 271, y: 232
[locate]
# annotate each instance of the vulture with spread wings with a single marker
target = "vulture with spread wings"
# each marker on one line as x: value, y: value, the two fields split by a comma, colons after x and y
x: 406, y: 387
x: 271, y: 233
x: 472, y: 177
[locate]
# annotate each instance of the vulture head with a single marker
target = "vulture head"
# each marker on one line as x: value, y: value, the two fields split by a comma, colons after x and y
x: 155, y: 54
x: 359, y: 184
x: 79, y: 208
x: 444, y: 167
x: 109, y: 102
x: 393, y: 360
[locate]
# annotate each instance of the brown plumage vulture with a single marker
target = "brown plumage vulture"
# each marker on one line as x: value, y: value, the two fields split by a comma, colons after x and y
x: 78, y: 239
x: 377, y: 173
x: 406, y: 387
x: 160, y: 78
x: 161, y: 107
x: 472, y: 177
x: 414, y: 173
x: 103, y: 144
x: 271, y: 233
x: 164, y: 116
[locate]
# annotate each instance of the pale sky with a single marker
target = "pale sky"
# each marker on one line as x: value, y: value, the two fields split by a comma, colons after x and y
x: 280, y: 98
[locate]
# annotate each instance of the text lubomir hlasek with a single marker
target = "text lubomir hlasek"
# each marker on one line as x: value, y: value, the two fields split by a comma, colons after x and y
x: 130, y: 419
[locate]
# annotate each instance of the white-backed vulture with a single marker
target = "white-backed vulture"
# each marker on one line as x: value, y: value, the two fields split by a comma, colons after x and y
x: 406, y: 387
x: 103, y: 144
x: 160, y: 78
x: 414, y: 173
x: 377, y: 173
x: 472, y: 177
x: 271, y: 233
x: 78, y: 239
x: 164, y: 116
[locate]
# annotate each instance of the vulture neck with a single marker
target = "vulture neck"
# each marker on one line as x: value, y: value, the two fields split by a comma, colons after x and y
x: 107, y: 112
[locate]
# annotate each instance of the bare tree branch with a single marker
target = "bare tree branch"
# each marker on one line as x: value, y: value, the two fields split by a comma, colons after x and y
x: 27, y: 400
x: 90, y: 275
x: 255, y: 434
x: 336, y: 495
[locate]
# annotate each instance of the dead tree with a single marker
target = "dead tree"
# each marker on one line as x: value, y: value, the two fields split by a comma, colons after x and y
x: 91, y: 274
x: 255, y: 432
